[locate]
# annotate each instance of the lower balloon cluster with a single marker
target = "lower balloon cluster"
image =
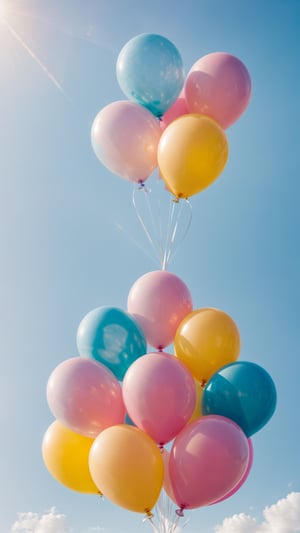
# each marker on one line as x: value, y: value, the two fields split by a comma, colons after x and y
x: 116, y: 405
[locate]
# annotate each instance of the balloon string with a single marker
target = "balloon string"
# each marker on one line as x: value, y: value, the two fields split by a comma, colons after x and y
x: 149, y: 518
x: 134, y: 241
x: 170, y: 256
x: 162, y: 245
x: 168, y: 239
x: 146, y: 231
x: 175, y: 524
x: 167, y: 519
x: 176, y: 227
x: 160, y: 229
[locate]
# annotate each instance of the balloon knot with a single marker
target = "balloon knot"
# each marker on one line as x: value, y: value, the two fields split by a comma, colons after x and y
x: 161, y: 447
x: 148, y: 514
x: 179, y: 511
x: 160, y: 349
x: 203, y: 384
x: 142, y: 187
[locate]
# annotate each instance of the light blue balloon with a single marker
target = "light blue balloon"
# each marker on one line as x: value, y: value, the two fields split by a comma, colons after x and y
x: 150, y: 72
x: 242, y: 391
x: 112, y: 337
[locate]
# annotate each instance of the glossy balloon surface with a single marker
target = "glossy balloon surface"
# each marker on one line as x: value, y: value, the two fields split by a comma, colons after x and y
x: 244, y: 392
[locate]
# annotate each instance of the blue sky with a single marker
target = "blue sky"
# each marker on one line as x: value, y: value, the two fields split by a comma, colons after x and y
x: 70, y: 240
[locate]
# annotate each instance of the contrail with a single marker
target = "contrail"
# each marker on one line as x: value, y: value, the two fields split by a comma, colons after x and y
x: 33, y: 55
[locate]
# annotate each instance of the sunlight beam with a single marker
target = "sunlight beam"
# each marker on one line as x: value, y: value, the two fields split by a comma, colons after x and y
x: 24, y: 45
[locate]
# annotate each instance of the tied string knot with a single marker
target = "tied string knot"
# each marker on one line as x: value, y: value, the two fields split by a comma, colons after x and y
x: 148, y: 515
x: 179, y: 511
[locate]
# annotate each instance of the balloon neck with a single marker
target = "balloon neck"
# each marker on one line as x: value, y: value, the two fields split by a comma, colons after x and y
x: 203, y: 384
x: 100, y: 494
x: 161, y: 447
x: 178, y: 197
x: 179, y: 511
x: 142, y: 187
x: 148, y: 515
x: 160, y: 349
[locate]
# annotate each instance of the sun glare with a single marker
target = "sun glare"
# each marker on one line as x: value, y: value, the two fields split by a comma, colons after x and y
x: 2, y: 8
x: 6, y: 22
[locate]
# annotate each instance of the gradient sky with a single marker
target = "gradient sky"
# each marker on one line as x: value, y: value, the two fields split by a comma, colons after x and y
x: 70, y: 239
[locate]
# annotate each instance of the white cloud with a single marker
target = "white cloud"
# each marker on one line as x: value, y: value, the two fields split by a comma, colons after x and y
x: 50, y: 522
x: 238, y: 523
x: 282, y: 517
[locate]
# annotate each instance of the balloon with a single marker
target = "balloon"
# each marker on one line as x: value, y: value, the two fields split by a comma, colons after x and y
x: 125, y: 137
x: 197, y: 410
x: 66, y: 456
x: 127, y: 467
x: 207, y: 459
x: 243, y: 392
x: 192, y: 153
x: 244, y: 476
x: 177, y: 109
x: 159, y: 301
x: 150, y: 72
x: 206, y: 340
x: 159, y: 395
x: 85, y: 396
x: 218, y: 85
x: 167, y: 482
x: 112, y: 337
x: 128, y: 421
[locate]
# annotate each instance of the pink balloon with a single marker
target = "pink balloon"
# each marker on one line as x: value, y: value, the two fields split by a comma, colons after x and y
x: 244, y: 476
x: 85, y: 396
x: 125, y: 137
x: 159, y: 301
x: 159, y: 395
x: 218, y: 85
x: 207, y: 460
x: 176, y: 110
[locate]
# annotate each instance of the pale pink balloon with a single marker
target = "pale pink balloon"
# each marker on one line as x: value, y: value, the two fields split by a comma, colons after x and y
x: 176, y: 110
x: 218, y: 85
x: 244, y: 476
x: 159, y: 301
x: 167, y: 481
x: 85, y: 396
x: 159, y: 395
x: 125, y: 137
x: 207, y: 460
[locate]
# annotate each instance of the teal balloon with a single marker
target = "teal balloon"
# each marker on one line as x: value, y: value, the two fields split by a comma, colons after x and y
x: 128, y: 421
x: 150, y: 72
x: 112, y: 337
x: 242, y: 391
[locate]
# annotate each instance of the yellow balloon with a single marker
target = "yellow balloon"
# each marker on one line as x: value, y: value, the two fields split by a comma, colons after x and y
x: 206, y: 340
x: 127, y: 467
x: 192, y: 153
x: 197, y: 410
x: 66, y: 456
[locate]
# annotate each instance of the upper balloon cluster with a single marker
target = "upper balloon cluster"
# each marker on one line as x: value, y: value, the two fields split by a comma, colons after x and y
x: 170, y: 120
